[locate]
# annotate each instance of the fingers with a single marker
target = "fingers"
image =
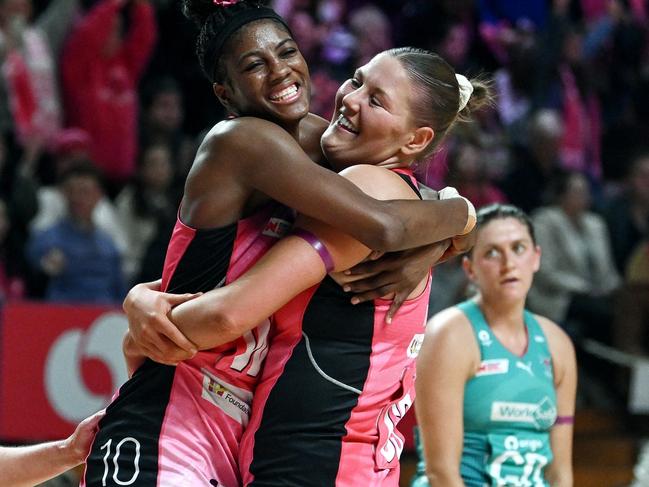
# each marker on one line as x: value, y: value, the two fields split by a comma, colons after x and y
x: 372, y: 282
x: 376, y: 293
x: 372, y: 266
x: 175, y: 336
x: 91, y: 421
x: 164, y: 351
x: 176, y: 299
x: 398, y: 300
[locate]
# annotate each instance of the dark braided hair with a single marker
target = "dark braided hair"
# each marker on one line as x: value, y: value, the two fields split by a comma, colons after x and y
x: 213, y: 20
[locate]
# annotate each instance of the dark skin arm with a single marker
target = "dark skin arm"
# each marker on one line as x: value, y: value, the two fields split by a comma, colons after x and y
x: 398, y: 273
x: 228, y: 164
x: 230, y: 172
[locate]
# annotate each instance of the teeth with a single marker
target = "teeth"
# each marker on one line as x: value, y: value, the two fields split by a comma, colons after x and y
x: 344, y: 122
x: 285, y: 93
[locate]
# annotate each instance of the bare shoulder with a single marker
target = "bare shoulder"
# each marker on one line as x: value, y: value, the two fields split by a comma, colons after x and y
x: 557, y: 338
x: 450, y: 324
x: 559, y: 343
x: 248, y: 132
x: 379, y: 182
x: 450, y: 340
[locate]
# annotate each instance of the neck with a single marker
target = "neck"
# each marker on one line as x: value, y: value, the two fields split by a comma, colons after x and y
x: 503, y: 315
x: 293, y: 129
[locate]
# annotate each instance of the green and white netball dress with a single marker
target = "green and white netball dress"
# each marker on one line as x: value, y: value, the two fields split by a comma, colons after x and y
x: 509, y: 408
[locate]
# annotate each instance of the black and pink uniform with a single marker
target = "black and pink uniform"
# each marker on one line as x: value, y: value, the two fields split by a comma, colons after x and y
x: 336, y: 382
x: 181, y: 426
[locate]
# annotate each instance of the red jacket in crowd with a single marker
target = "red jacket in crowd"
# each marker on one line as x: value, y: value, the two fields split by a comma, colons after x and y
x: 101, y: 69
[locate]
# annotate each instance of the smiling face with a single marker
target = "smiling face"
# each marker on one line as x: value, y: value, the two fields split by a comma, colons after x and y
x: 503, y: 260
x: 265, y: 75
x: 372, y: 121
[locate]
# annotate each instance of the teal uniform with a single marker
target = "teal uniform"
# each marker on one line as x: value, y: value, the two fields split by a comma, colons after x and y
x: 509, y: 408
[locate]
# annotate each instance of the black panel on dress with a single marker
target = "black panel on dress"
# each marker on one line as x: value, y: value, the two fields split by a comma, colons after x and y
x: 298, y: 443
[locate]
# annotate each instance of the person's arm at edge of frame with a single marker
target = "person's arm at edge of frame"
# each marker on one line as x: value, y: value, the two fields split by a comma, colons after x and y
x: 289, y: 176
x: 444, y: 364
x: 25, y: 466
x: 224, y: 314
x: 559, y: 473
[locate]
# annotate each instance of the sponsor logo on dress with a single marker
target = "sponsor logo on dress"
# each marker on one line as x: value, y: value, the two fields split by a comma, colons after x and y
x: 232, y: 400
x: 493, y: 367
x: 541, y: 415
x: 415, y: 345
x: 526, y: 366
x: 276, y: 227
x: 485, y: 338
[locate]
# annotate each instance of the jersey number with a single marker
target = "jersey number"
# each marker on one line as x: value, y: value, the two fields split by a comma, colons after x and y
x: 533, y: 464
x: 255, y: 352
x: 136, y: 461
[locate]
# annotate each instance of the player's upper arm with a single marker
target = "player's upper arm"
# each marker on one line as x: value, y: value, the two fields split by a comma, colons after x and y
x: 559, y: 472
x: 447, y: 359
x: 267, y: 159
x: 377, y: 182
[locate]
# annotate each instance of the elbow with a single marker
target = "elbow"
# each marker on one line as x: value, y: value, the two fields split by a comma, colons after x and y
x: 224, y: 326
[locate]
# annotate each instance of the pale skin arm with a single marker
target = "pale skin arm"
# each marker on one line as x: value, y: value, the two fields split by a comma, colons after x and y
x: 226, y: 313
x: 447, y: 359
x: 559, y: 472
x: 25, y: 466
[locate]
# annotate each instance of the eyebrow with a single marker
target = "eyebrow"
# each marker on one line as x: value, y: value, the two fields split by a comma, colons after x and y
x: 257, y: 52
x: 385, y: 98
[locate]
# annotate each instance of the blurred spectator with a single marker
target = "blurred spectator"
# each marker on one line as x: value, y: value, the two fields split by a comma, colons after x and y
x: 29, y: 52
x: 577, y: 277
x: 308, y: 36
x: 147, y: 206
x: 515, y: 84
x: 102, y: 64
x: 82, y: 262
x: 535, y: 165
x: 162, y: 123
x: 323, y: 92
x: 372, y: 31
x: 501, y: 19
x: 631, y: 326
x: 12, y: 285
x: 468, y: 174
x: 71, y: 147
x: 627, y: 215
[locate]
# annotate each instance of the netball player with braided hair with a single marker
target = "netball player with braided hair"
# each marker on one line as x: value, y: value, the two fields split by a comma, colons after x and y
x: 182, y: 425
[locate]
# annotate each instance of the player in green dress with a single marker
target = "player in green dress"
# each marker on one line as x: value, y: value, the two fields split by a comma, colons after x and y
x: 496, y: 383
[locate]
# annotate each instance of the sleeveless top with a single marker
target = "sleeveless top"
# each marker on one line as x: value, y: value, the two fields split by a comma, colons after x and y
x: 509, y: 408
x: 336, y: 382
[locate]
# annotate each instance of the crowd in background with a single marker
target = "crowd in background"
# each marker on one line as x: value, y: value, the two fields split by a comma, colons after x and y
x: 102, y: 105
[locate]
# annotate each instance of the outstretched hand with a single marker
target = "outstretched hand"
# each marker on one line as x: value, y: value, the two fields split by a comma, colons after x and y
x: 396, y: 273
x: 78, y: 443
x: 151, y: 330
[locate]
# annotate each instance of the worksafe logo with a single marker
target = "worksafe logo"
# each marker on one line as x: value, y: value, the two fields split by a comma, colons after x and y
x: 542, y: 415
